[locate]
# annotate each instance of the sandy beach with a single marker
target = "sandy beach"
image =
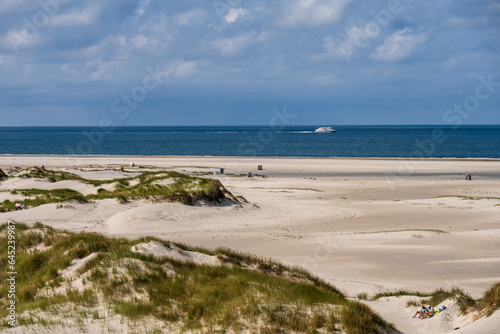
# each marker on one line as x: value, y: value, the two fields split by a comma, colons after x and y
x: 364, y: 225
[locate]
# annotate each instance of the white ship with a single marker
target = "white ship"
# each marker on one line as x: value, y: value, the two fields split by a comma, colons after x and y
x: 325, y: 129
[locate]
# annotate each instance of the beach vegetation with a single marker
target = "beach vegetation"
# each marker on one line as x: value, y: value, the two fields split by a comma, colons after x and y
x: 486, y: 305
x: 243, y: 293
x: 413, y: 303
x: 359, y: 319
x: 241, y: 199
x: 183, y: 188
x: 362, y: 296
x: 400, y: 293
x: 404, y: 230
x: 304, y: 189
x: 121, y: 199
x: 470, y: 198
x: 490, y: 301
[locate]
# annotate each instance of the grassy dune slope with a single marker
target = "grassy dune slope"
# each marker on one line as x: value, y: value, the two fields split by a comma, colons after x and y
x: 69, y: 280
x: 183, y: 188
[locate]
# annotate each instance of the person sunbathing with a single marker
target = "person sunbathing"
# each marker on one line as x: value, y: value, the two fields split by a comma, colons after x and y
x: 429, y: 313
x: 423, y: 311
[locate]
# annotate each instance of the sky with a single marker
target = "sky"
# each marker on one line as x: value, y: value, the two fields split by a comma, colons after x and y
x: 239, y: 62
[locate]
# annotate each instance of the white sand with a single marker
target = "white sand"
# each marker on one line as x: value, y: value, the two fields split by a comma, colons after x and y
x: 318, y: 213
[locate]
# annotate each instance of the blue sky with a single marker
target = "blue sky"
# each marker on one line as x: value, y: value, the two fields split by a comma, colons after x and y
x: 230, y: 62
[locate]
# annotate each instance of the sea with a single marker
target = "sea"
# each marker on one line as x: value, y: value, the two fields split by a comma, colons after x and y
x: 429, y: 141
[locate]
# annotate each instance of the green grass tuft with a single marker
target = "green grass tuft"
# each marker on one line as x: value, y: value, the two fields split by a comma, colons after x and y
x: 491, y: 299
x: 400, y: 293
x: 359, y: 319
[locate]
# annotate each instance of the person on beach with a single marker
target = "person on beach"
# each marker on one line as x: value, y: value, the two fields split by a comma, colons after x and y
x: 429, y: 313
x: 423, y: 312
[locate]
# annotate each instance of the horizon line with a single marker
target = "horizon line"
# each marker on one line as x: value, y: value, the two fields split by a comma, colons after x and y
x: 235, y: 125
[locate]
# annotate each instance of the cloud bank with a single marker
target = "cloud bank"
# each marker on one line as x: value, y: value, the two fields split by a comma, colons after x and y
x: 65, y: 62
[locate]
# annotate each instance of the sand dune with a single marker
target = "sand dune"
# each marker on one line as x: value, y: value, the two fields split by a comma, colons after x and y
x: 157, y: 249
x: 19, y: 183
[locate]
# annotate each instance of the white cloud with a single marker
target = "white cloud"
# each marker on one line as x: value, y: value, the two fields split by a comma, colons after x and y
x: 460, y: 59
x: 231, y: 47
x: 234, y: 14
x: 11, y: 6
x: 344, y: 46
x: 83, y: 17
x: 143, y: 6
x: 186, y: 18
x: 122, y: 40
x: 185, y: 69
x: 312, y: 13
x: 398, y: 46
x: 453, y: 62
x: 105, y: 71
x: 138, y: 41
x: 354, y: 38
x: 460, y: 23
x: 14, y: 40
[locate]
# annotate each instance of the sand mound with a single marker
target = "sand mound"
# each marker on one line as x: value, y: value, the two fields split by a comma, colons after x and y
x: 159, y: 250
x: 44, y: 184
x: 102, y: 174
x: 490, y: 325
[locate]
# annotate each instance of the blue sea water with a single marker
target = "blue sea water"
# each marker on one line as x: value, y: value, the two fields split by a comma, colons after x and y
x: 478, y: 141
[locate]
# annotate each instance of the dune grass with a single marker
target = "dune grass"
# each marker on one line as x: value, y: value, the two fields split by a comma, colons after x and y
x: 56, y: 176
x: 464, y: 300
x: 273, y: 298
x: 404, y: 230
x: 491, y: 299
x: 184, y: 189
x: 400, y: 293
x: 305, y: 189
x: 39, y: 197
x: 486, y: 305
x: 470, y: 198
x: 362, y: 296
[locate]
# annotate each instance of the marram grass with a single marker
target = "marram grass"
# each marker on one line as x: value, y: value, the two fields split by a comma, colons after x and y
x: 274, y: 298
